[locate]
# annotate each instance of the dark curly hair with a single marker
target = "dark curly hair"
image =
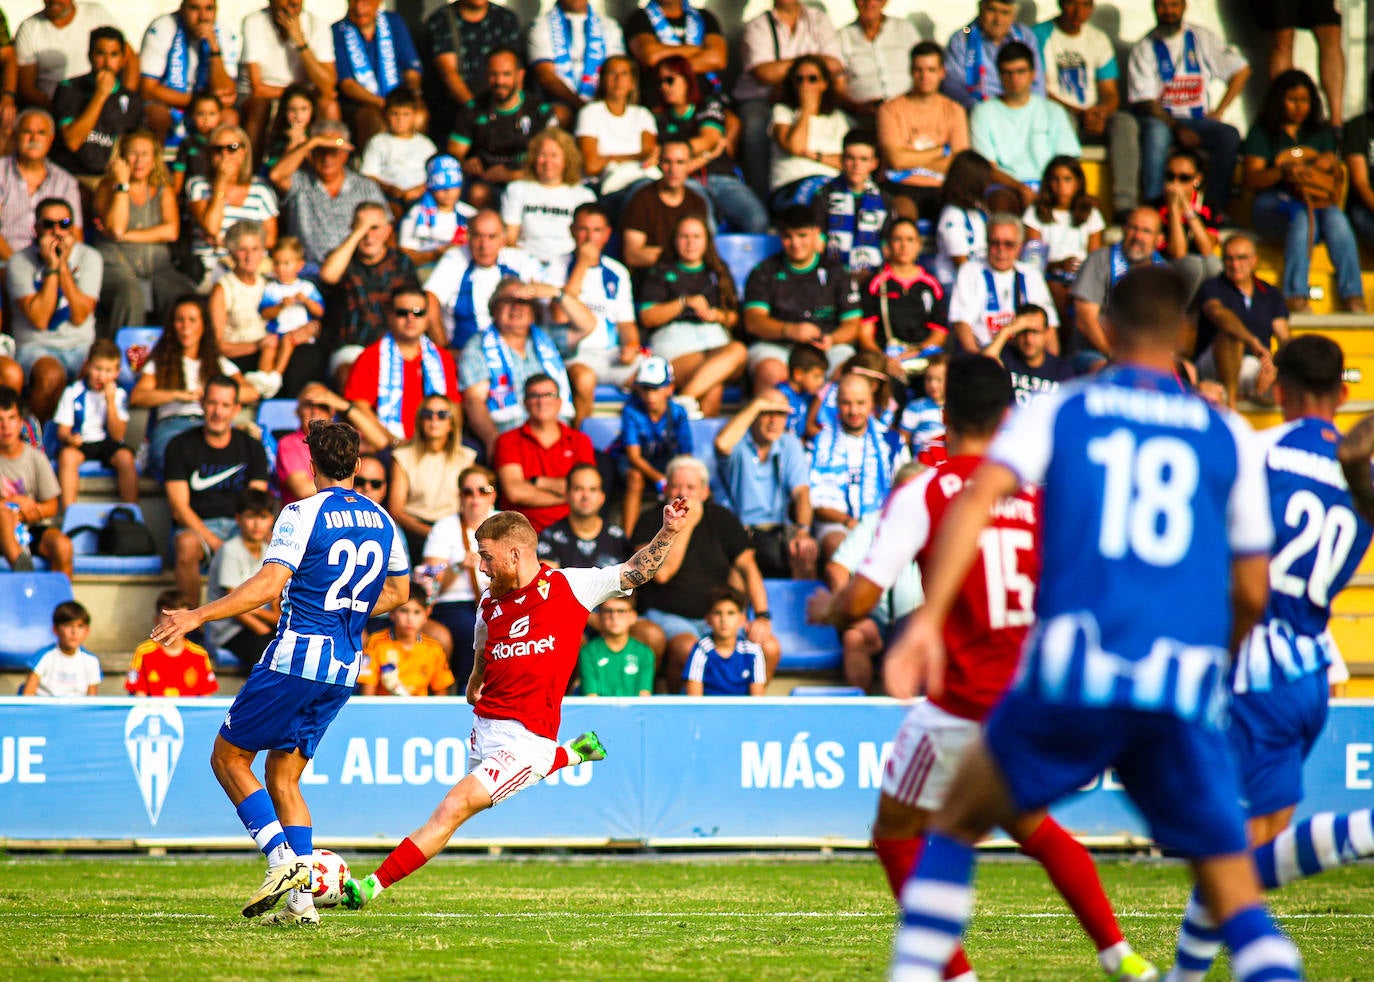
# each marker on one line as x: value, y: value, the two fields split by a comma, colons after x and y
x: 792, y: 97
x: 333, y: 449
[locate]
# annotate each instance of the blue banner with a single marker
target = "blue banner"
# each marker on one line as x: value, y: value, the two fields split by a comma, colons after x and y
x: 678, y: 772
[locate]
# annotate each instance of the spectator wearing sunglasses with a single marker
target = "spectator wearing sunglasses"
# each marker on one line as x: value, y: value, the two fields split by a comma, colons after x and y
x: 425, y: 469
x: 29, y: 176
x: 229, y: 195
x: 534, y: 460
x: 292, y: 473
x: 371, y: 478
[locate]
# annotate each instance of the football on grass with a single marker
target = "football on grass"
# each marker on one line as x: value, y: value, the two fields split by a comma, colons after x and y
x: 328, y: 877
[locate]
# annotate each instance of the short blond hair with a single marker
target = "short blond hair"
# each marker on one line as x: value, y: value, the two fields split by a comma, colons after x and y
x: 508, y: 526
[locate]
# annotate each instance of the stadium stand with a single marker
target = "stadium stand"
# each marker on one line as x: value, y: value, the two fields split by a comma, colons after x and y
x: 26, y: 604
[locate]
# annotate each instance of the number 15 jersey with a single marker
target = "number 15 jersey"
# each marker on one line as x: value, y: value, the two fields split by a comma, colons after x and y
x: 340, y: 548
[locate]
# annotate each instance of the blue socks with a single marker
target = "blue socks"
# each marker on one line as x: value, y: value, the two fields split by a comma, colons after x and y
x: 260, y: 819
x: 937, y: 902
x: 1320, y: 843
x: 1259, y: 951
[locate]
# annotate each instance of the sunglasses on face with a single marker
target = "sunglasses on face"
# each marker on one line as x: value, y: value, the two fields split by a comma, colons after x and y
x: 477, y: 492
x: 404, y: 312
x: 227, y: 147
x: 1174, y: 175
x: 436, y: 414
x: 52, y: 223
x: 374, y: 483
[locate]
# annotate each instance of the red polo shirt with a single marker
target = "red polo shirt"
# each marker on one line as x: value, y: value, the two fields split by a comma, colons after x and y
x: 520, y: 446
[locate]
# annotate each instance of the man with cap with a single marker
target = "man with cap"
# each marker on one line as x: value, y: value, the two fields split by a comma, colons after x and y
x: 533, y: 461
x: 319, y: 199
x: 439, y: 219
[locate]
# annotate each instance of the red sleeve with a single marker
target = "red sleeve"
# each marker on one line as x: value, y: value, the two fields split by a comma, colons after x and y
x: 506, y: 450
x: 363, y: 378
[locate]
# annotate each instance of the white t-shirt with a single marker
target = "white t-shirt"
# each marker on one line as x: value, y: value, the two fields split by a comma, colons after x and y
x: 60, y: 52
x: 446, y: 541
x: 544, y: 215
x: 1216, y: 61
x: 987, y: 313
x: 958, y: 233
x: 398, y: 161
x: 824, y: 134
x: 541, y: 42
x: 606, y: 292
x: 93, y: 420
x: 157, y: 48
x: 190, y: 372
x: 1062, y: 237
x: 66, y: 675
x: 279, y: 64
x: 426, y: 235
x: 1074, y: 64
x: 615, y: 135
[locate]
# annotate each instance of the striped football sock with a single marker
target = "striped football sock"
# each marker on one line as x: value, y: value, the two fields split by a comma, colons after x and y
x: 260, y: 819
x: 936, y: 904
x: 1320, y: 843
x: 1199, y: 941
x: 1260, y: 952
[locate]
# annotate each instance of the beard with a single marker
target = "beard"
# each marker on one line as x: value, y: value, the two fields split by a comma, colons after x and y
x: 502, y: 583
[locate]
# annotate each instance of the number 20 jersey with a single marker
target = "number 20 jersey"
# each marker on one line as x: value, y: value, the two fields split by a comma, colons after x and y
x: 340, y: 548
x: 1149, y: 494
x: 995, y: 604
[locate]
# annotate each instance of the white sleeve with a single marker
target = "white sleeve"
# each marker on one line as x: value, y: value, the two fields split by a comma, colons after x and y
x: 513, y: 203
x: 540, y: 45
x: 591, y: 586
x: 441, y: 539
x: 1027, y: 440
x: 253, y: 39
x: 968, y: 298
x: 1224, y: 61
x: 851, y: 551
x: 1250, y: 529
x: 93, y: 673
x: 1142, y: 74
x: 615, y: 37
x: 291, y: 534
x: 589, y: 119
x: 157, y: 43
x: 398, y: 563
x: 623, y: 307
x: 65, y: 413
x: 760, y: 662
x: 322, y: 40
x: 903, y: 531
x: 121, y: 404
x: 230, y: 49
x: 405, y: 236
x: 374, y: 157
x: 696, y: 663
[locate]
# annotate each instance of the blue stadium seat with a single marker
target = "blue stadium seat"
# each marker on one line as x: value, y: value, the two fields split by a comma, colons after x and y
x: 602, y: 429
x: 26, y: 604
x: 703, y: 447
x: 85, y: 558
x: 805, y: 647
x: 40, y: 565
x: 827, y: 691
x: 741, y: 253
x: 128, y: 337
x: 612, y: 395
x: 278, y: 416
x: 89, y: 468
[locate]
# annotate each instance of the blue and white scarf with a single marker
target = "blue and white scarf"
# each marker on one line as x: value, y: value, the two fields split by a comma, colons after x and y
x: 355, y: 48
x: 427, y: 214
x: 1018, y: 291
x: 854, y: 226
x: 62, y: 313
x: 79, y: 409
x: 1194, y: 95
x: 391, y: 380
x: 593, y: 51
x: 975, y: 65
x: 694, y: 31
x: 466, y: 321
x: 864, y: 492
x: 177, y: 75
x: 1120, y: 264
x: 504, y: 398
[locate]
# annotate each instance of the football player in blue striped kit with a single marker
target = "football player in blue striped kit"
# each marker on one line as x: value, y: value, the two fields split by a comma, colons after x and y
x: 1279, y: 686
x: 335, y: 559
x: 1155, y: 565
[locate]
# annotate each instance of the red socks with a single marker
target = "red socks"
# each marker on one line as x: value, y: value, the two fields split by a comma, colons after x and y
x: 1072, y: 872
x: 404, y: 860
x: 560, y: 759
x: 899, y: 857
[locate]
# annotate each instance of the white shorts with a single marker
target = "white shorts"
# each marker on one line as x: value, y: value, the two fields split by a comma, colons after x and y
x: 1249, y: 370
x: 925, y: 755
x: 606, y: 363
x: 505, y: 757
x: 836, y: 354
x: 675, y: 340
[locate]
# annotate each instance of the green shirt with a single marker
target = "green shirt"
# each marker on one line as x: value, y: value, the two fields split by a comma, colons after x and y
x: 604, y: 672
x: 1260, y: 142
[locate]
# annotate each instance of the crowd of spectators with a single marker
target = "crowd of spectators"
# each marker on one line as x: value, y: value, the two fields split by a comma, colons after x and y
x: 451, y: 244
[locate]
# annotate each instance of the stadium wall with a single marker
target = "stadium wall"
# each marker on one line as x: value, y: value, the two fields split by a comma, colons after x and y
x: 937, y: 21
x: 680, y: 773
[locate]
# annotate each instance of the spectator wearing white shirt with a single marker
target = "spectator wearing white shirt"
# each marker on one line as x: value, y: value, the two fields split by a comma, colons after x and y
x: 284, y: 44
x: 876, y: 50
x: 538, y: 210
x: 397, y: 159
x: 617, y: 136
x: 1065, y: 217
x: 961, y: 233
x: 66, y: 668
x: 439, y: 220
x: 986, y: 295
x: 808, y: 132
x: 568, y: 49
x: 183, y: 53
x: 51, y: 47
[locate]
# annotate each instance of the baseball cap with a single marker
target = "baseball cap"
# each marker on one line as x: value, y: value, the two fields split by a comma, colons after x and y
x: 443, y: 172
x: 654, y: 373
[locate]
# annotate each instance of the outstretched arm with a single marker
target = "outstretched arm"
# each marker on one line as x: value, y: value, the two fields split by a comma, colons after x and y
x: 264, y: 586
x: 641, y: 567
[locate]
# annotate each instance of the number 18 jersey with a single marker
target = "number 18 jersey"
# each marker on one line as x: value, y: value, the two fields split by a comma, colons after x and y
x: 1149, y: 493
x: 340, y: 548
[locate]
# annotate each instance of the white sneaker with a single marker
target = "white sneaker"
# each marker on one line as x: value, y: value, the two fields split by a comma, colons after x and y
x: 690, y: 404
x: 286, y: 917
x: 267, y: 383
x: 280, y: 879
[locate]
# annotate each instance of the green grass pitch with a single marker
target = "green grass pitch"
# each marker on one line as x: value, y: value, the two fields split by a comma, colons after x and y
x: 749, y: 918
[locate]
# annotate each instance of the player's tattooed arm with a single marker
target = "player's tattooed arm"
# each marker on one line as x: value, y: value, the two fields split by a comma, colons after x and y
x: 1355, y: 451
x: 641, y: 567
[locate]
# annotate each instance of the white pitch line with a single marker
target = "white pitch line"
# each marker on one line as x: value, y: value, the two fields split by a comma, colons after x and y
x: 718, y: 914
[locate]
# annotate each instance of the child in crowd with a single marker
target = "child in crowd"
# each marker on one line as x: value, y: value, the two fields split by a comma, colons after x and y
x: 923, y: 420
x: 245, y: 636
x: 401, y: 661
x: 236, y: 299
x: 653, y: 430
x: 292, y: 307
x: 724, y: 663
x: 438, y: 220
x: 852, y: 210
x: 1065, y: 217
x: 296, y: 110
x: 961, y: 232
x: 179, y: 669
x: 396, y: 159
x: 66, y: 668
x: 91, y: 419
x: 193, y: 156
x: 806, y: 367
x: 613, y: 663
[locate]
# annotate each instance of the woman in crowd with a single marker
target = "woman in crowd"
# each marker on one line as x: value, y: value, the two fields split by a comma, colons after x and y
x: 236, y: 302
x: 808, y: 130
x: 1291, y: 143
x: 961, y: 233
x: 290, y: 128
x: 1065, y: 217
x: 451, y: 549
x: 685, y: 112
x: 173, y: 380
x: 538, y: 210
x: 617, y: 136
x: 425, y: 469
x: 136, y: 216
x: 905, y: 310
x: 689, y: 305
x: 232, y: 195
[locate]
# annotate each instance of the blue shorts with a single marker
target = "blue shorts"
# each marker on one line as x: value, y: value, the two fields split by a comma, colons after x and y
x: 274, y: 711
x: 1180, y: 775
x: 1271, y: 735
x: 675, y: 624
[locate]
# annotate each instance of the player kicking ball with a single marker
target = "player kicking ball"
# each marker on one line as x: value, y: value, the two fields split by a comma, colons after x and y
x: 325, y: 560
x: 529, y: 627
x: 1155, y: 565
x: 983, y: 636
x: 1280, y: 694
